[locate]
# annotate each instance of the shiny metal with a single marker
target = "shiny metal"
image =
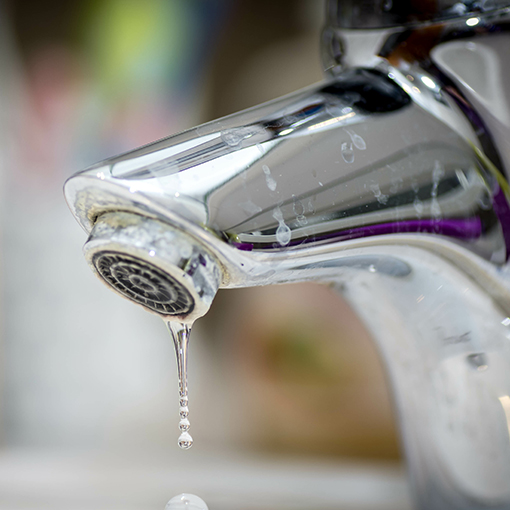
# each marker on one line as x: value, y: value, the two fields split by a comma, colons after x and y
x: 385, y: 180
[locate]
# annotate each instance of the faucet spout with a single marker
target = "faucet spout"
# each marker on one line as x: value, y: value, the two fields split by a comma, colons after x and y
x: 383, y: 180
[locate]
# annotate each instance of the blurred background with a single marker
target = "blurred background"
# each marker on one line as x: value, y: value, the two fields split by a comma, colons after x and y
x: 288, y: 401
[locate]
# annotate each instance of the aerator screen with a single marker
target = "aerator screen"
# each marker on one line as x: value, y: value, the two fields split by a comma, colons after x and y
x: 144, y: 283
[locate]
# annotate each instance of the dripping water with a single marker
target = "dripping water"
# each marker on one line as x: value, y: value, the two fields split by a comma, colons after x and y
x: 186, y: 502
x: 180, y: 334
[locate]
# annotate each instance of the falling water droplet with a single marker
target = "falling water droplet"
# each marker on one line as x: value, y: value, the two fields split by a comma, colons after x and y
x: 186, y: 502
x: 185, y: 441
x: 180, y: 335
x: 184, y: 425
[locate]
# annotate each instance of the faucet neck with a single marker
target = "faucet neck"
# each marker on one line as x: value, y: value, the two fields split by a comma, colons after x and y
x: 392, y: 13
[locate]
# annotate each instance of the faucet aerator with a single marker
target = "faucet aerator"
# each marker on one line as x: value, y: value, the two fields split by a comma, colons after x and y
x: 154, y: 265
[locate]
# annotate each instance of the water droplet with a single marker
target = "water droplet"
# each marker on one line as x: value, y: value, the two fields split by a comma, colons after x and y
x: 347, y: 152
x: 185, y: 441
x: 283, y: 234
x: 356, y: 139
x: 231, y: 138
x: 270, y: 182
x: 180, y: 335
x: 297, y: 206
x: 184, y: 425
x: 418, y: 206
x: 435, y: 208
x: 372, y: 268
x: 186, y: 502
x: 302, y: 220
x: 381, y: 198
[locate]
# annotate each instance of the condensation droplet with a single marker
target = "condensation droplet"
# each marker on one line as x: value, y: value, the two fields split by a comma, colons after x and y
x: 270, y: 182
x: 357, y: 140
x: 297, y: 206
x: 347, y: 152
x: 381, y: 198
x: 231, y: 138
x: 283, y: 234
x: 435, y: 208
x: 418, y: 206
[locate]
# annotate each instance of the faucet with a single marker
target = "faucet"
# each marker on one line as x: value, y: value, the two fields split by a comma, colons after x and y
x: 386, y: 181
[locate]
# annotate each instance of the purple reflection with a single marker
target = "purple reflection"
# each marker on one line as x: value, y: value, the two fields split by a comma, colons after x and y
x: 469, y: 228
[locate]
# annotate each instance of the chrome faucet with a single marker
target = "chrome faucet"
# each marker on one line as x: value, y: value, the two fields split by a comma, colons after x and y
x: 388, y: 181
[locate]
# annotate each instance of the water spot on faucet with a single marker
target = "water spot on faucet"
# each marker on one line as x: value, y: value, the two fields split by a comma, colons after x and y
x: 250, y: 208
x: 234, y: 137
x: 297, y: 206
x: 357, y: 140
x: 437, y: 174
x: 231, y: 137
x: 418, y: 206
x: 299, y: 211
x: 270, y: 182
x: 396, y: 184
x: 347, y: 152
x: 381, y: 198
x: 283, y: 233
x: 435, y: 208
x: 310, y: 207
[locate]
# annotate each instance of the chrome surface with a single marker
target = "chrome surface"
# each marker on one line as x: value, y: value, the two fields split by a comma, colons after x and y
x: 386, y: 180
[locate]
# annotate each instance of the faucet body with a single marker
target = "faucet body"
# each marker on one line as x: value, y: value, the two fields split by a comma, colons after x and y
x: 387, y: 181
